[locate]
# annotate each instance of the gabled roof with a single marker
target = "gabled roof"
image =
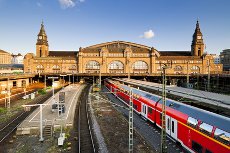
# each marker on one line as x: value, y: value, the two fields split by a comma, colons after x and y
x: 63, y: 53
x: 175, y: 53
x: 118, y: 43
x: 2, y: 51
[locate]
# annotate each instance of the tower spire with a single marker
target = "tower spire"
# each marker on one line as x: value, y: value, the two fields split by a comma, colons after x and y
x: 42, y: 45
x: 197, y: 47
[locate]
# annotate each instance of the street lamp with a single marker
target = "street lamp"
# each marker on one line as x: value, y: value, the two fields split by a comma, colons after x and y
x: 63, y: 80
x: 69, y: 77
x: 53, y: 84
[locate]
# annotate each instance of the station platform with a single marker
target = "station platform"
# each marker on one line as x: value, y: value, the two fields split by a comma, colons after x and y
x: 50, y: 116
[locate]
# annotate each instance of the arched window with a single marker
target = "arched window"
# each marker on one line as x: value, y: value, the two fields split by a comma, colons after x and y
x: 116, y: 67
x: 73, y: 68
x: 178, y: 68
x: 56, y: 69
x: 140, y: 67
x: 39, y: 68
x: 92, y: 67
x: 195, y: 69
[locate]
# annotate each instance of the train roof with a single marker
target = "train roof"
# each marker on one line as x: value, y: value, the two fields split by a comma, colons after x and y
x: 217, y: 99
x: 219, y: 121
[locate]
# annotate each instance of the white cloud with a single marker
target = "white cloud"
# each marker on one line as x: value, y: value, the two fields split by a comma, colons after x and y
x: 69, y: 3
x: 148, y: 34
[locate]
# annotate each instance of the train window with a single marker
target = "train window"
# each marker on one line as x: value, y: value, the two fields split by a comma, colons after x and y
x: 192, y: 122
x: 206, y: 128
x: 135, y: 106
x: 150, y: 110
x: 160, y: 116
x: 172, y: 126
x: 168, y: 123
x: 207, y: 151
x: 222, y: 136
x: 148, y: 95
x: 196, y: 147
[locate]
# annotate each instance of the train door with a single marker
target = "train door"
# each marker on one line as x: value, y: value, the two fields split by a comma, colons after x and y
x: 144, y: 110
x: 174, y: 128
x: 168, y: 124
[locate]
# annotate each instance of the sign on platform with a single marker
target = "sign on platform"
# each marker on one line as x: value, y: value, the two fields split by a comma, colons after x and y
x: 61, y: 97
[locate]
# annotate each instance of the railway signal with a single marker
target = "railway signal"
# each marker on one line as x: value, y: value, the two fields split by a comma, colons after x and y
x: 131, y: 120
x: 163, y: 118
x: 53, y: 85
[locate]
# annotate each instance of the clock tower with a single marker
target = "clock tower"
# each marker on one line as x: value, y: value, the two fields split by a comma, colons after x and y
x: 197, y: 47
x: 42, y: 46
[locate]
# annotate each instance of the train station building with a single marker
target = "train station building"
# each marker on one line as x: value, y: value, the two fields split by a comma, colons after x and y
x: 120, y: 58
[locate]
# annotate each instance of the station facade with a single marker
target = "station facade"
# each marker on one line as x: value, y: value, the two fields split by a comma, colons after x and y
x: 119, y: 58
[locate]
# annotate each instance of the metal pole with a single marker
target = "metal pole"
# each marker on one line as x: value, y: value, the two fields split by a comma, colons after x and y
x: 45, y: 82
x: 73, y: 78
x: 53, y: 87
x: 41, y: 137
x: 163, y: 130
x: 187, y: 76
x: 128, y: 71
x: 8, y: 87
x: 208, y: 75
x: 5, y: 101
x: 131, y: 121
x: 100, y: 78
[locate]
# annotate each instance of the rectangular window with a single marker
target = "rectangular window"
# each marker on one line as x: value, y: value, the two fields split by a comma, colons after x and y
x: 150, y: 110
x: 168, y: 123
x: 206, y: 128
x: 192, y: 122
x: 172, y: 126
x: 196, y: 147
x: 207, y: 151
x: 222, y: 136
x: 135, y: 106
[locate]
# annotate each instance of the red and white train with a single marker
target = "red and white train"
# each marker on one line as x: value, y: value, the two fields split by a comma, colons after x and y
x: 197, y: 130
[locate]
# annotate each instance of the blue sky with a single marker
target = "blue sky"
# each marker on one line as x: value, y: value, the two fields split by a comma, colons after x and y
x: 70, y: 24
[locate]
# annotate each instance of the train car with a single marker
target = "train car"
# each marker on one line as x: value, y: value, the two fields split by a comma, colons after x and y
x: 198, y: 131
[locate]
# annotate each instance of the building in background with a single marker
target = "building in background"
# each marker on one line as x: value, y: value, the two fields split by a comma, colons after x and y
x: 10, y: 63
x: 17, y: 59
x: 5, y: 57
x: 225, y: 59
x: 120, y: 57
x: 216, y: 58
x: 11, y: 68
x: 46, y: 61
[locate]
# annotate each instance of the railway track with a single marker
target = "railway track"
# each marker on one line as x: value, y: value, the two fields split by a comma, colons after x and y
x: 16, y: 97
x: 11, y: 126
x: 85, y: 138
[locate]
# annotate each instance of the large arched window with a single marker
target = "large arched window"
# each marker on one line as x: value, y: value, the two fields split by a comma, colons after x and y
x: 92, y: 67
x: 140, y: 67
x: 195, y: 69
x: 178, y: 68
x: 56, y: 69
x: 39, y: 68
x: 116, y: 67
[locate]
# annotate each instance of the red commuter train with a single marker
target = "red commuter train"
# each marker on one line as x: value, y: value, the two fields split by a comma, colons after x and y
x: 197, y: 130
